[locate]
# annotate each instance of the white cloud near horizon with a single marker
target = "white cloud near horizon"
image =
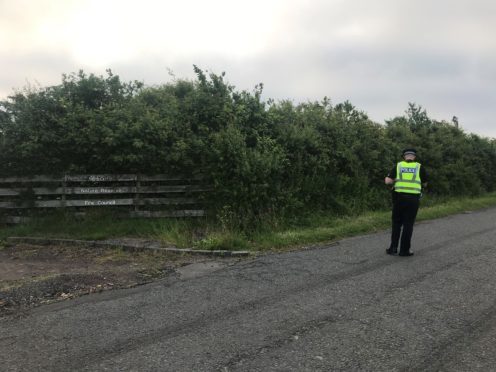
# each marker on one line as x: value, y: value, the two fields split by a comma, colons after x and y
x: 379, y: 54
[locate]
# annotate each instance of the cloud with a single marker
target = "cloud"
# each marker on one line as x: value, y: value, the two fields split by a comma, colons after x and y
x: 32, y: 68
x: 379, y: 54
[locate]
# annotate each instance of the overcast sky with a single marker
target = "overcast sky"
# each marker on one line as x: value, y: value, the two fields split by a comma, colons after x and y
x: 378, y: 54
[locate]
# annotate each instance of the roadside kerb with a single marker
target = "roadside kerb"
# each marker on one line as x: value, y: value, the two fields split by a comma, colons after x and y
x: 113, y: 243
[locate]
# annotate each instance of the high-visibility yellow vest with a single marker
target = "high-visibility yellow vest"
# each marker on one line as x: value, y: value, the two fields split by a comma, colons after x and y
x: 408, y: 178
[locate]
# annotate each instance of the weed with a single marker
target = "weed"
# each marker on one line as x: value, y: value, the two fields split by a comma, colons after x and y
x: 211, y: 234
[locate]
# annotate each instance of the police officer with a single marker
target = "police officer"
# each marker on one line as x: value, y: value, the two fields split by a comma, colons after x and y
x: 408, y: 177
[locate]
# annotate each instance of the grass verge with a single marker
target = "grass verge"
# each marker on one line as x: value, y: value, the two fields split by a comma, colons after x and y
x: 203, y: 234
x: 327, y: 229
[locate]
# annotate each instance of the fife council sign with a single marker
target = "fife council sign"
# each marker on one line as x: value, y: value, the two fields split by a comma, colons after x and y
x: 91, y: 203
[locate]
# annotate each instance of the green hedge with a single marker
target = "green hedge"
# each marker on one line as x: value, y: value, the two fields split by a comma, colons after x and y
x: 265, y: 159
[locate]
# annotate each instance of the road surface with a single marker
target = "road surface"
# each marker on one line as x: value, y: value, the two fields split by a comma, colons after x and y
x: 347, y: 306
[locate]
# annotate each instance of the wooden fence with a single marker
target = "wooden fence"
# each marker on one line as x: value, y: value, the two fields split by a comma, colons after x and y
x: 140, y: 195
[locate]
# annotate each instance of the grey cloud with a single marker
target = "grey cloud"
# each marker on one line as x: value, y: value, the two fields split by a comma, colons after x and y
x: 19, y: 70
x: 439, y: 54
x: 485, y: 69
x: 395, y: 62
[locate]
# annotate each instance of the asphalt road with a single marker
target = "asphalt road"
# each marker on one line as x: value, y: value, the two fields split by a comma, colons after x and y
x: 343, y: 307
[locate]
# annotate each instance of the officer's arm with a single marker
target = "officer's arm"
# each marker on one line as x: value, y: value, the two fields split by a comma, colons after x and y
x: 390, y: 180
x: 424, y: 176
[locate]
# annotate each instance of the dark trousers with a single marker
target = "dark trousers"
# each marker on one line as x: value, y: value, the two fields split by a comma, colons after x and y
x: 405, y: 207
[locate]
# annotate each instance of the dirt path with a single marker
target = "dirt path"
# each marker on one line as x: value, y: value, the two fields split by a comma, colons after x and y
x: 33, y: 275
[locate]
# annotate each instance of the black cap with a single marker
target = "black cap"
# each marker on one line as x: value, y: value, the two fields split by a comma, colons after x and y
x: 410, y: 151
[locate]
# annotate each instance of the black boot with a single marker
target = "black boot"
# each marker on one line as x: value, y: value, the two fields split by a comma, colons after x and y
x: 406, y: 254
x: 392, y: 251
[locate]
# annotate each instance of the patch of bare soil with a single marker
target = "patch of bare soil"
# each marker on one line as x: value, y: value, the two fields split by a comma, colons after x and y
x: 34, y: 275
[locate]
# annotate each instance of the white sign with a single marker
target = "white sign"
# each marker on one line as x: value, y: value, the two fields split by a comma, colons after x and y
x: 99, y: 202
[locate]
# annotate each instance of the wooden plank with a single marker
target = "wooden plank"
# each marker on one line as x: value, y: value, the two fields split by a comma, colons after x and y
x: 12, y: 205
x: 98, y: 203
x: 99, y: 190
x: 70, y: 191
x: 166, y: 201
x: 71, y: 178
x: 134, y: 190
x: 105, y: 190
x: 171, y: 189
x: 30, y: 179
x: 100, y: 177
x: 161, y: 214
x: 31, y: 204
x: 68, y: 203
x: 165, y: 177
x: 9, y: 192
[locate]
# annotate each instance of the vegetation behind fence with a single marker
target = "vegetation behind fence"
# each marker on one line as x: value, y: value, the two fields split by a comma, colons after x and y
x: 262, y: 158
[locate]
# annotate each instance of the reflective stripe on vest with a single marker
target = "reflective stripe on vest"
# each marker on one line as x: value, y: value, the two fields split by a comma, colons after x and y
x: 408, y: 178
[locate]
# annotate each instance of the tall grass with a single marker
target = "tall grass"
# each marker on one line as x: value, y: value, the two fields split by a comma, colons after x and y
x: 206, y: 233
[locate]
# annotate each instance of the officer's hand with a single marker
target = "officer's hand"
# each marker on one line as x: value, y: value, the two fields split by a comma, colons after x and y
x: 389, y: 181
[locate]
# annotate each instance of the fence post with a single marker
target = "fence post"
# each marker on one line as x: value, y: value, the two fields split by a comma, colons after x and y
x: 64, y: 185
x: 137, y: 195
